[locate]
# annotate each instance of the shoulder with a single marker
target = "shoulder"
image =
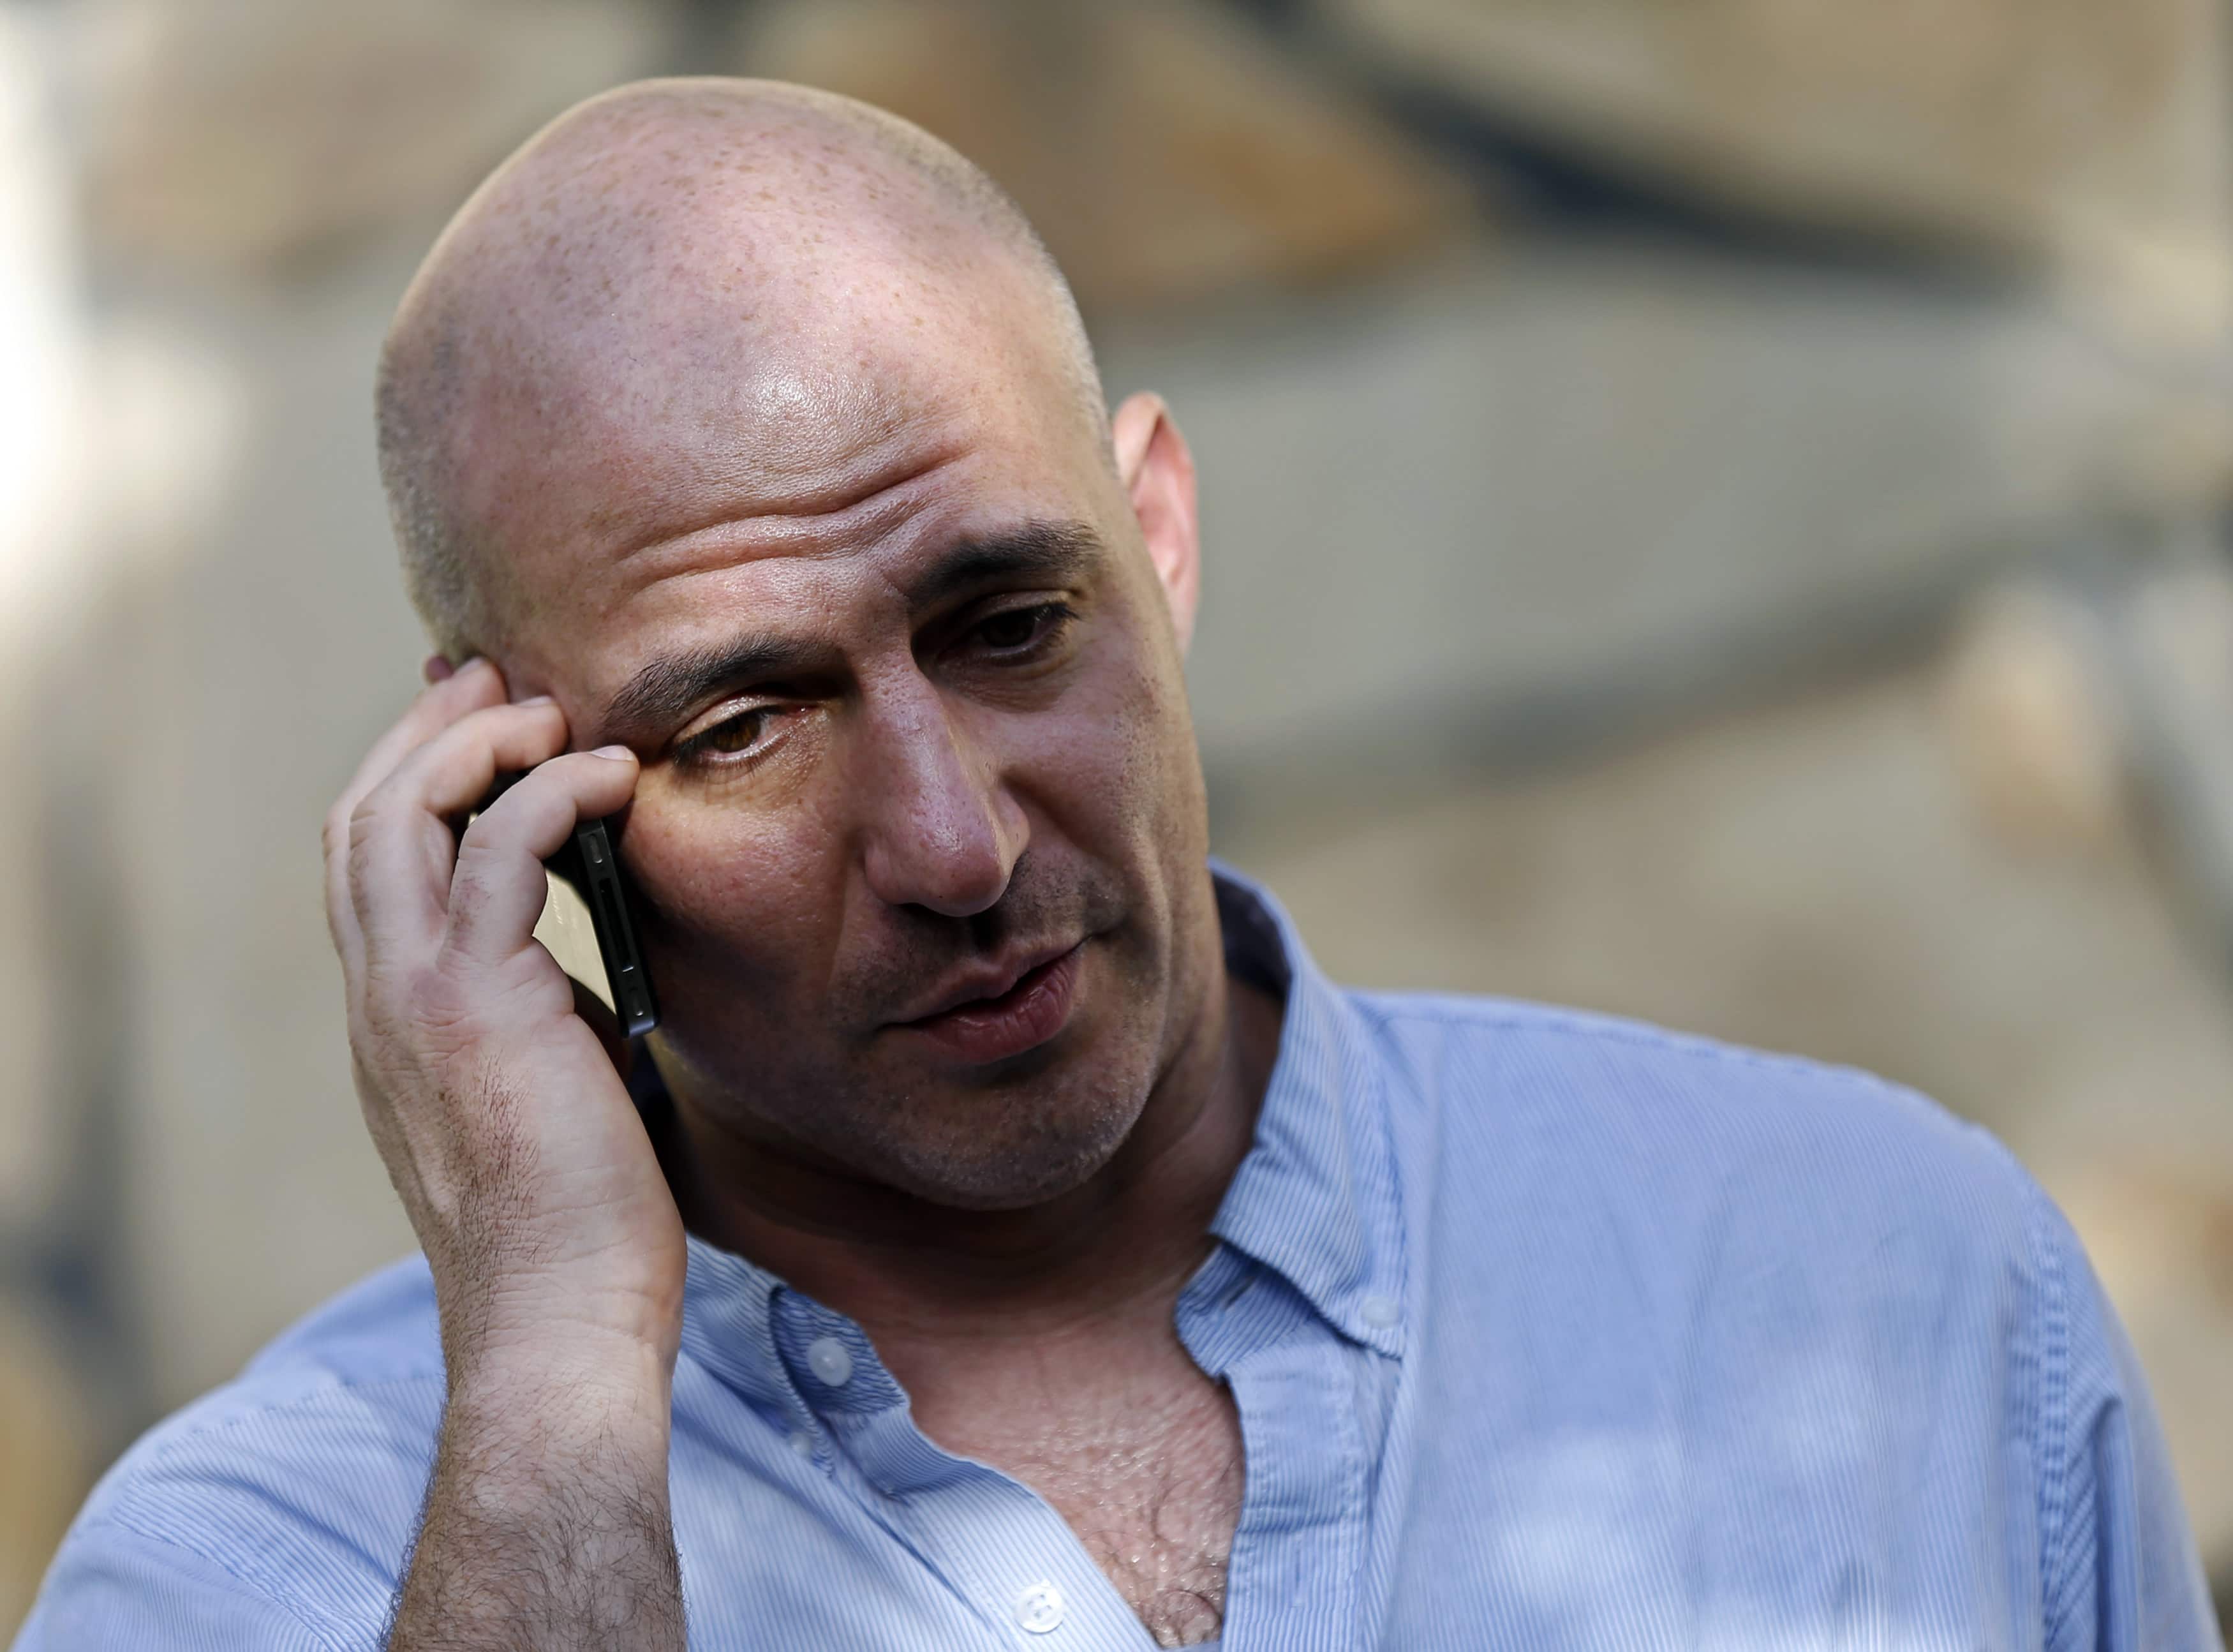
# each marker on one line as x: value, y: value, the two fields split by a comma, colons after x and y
x: 1842, y: 1289
x: 357, y: 1381
x: 1800, y: 1242
x: 1711, y: 1137
x: 384, y: 1327
x: 1465, y: 1051
x: 296, y: 1486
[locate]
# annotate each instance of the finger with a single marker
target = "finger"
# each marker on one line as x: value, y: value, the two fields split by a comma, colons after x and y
x: 499, y: 888
x: 437, y: 668
x: 401, y: 851
x: 474, y: 685
x: 471, y: 688
x: 453, y: 772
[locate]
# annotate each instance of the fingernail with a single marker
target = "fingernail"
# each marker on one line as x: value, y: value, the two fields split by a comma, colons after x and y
x: 534, y: 699
x: 618, y: 753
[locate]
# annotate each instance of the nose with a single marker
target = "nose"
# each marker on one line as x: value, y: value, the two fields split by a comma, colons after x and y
x: 943, y: 831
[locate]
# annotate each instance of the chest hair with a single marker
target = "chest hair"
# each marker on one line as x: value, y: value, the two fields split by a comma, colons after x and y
x: 1150, y: 1479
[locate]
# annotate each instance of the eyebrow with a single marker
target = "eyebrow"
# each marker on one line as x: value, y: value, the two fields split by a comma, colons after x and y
x: 667, y: 689
x: 1049, y: 550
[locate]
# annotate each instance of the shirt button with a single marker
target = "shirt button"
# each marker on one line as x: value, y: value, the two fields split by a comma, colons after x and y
x: 1039, y: 1608
x: 1380, y: 1312
x: 826, y: 1358
x: 802, y: 1443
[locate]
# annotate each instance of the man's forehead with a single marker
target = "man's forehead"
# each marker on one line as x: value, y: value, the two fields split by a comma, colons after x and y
x: 683, y: 514
x: 663, y: 453
x: 710, y: 401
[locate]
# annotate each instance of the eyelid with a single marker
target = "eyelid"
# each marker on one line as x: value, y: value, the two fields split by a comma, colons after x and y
x: 692, y: 751
x: 1055, y: 609
x: 743, y: 705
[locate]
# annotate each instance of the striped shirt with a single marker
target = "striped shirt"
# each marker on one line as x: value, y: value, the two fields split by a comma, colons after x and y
x: 1545, y: 1331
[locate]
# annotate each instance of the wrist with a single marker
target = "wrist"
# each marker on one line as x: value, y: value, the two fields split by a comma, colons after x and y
x: 563, y: 1391
x: 516, y: 1323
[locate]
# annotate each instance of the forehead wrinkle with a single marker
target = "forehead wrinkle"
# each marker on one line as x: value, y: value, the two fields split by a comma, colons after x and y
x: 845, y: 509
x: 644, y: 426
x: 857, y: 530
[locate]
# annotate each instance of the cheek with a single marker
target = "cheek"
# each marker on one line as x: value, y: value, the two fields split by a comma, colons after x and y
x: 751, y: 892
x: 1114, y: 764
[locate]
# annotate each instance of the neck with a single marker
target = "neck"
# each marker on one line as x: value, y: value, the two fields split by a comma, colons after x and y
x: 913, y: 1273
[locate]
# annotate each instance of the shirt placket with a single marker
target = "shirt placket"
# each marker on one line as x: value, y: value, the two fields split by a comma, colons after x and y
x: 999, y: 1546
x: 1293, y: 1580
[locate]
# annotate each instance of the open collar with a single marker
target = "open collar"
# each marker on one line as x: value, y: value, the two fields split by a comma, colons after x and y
x: 1317, y: 1197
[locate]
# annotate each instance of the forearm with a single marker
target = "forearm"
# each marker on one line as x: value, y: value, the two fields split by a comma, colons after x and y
x: 547, y: 1524
x: 558, y: 1253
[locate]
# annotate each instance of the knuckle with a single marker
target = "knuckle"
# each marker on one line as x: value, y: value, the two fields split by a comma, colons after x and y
x: 479, y: 838
x: 493, y: 854
x: 480, y: 865
x: 337, y: 933
x: 358, y: 855
x: 438, y: 1000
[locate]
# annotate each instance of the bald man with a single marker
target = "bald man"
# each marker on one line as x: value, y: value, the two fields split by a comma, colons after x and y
x: 1008, y: 1238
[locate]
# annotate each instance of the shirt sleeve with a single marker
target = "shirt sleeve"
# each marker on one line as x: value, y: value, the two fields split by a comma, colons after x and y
x: 2119, y: 1569
x: 117, y: 1589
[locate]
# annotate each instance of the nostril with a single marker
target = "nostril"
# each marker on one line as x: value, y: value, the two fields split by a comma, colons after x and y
x: 957, y: 879
x: 945, y: 834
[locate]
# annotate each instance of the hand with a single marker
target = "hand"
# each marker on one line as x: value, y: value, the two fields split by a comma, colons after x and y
x: 518, y: 1154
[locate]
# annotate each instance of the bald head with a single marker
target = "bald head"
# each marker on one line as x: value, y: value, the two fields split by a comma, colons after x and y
x: 651, y: 293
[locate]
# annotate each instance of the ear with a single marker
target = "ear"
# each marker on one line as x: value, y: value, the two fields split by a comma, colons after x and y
x: 1157, y: 471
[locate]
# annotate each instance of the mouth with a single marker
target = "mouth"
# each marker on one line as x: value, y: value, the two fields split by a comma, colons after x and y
x: 1005, y: 1012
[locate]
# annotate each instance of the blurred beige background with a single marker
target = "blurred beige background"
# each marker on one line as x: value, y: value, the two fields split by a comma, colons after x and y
x: 1714, y: 511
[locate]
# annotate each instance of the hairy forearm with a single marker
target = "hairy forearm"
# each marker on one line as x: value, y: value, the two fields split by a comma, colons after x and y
x: 547, y: 1524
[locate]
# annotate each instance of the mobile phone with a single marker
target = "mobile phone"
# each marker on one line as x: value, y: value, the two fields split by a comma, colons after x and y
x: 588, y: 864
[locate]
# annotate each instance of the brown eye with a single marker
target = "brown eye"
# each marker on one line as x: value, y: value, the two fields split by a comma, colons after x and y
x: 739, y: 733
x: 1017, y: 628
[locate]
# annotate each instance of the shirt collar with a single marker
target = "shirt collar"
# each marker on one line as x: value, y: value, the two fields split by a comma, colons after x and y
x: 1315, y: 1200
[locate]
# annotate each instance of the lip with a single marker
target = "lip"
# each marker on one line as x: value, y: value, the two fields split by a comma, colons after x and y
x: 1003, y: 1009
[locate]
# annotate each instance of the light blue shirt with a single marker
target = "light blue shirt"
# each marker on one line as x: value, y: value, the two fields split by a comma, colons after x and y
x: 1545, y: 1332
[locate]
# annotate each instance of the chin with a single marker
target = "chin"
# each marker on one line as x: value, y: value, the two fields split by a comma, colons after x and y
x: 1015, y: 1149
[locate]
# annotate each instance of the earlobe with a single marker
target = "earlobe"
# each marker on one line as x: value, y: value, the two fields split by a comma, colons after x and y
x: 1157, y: 469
